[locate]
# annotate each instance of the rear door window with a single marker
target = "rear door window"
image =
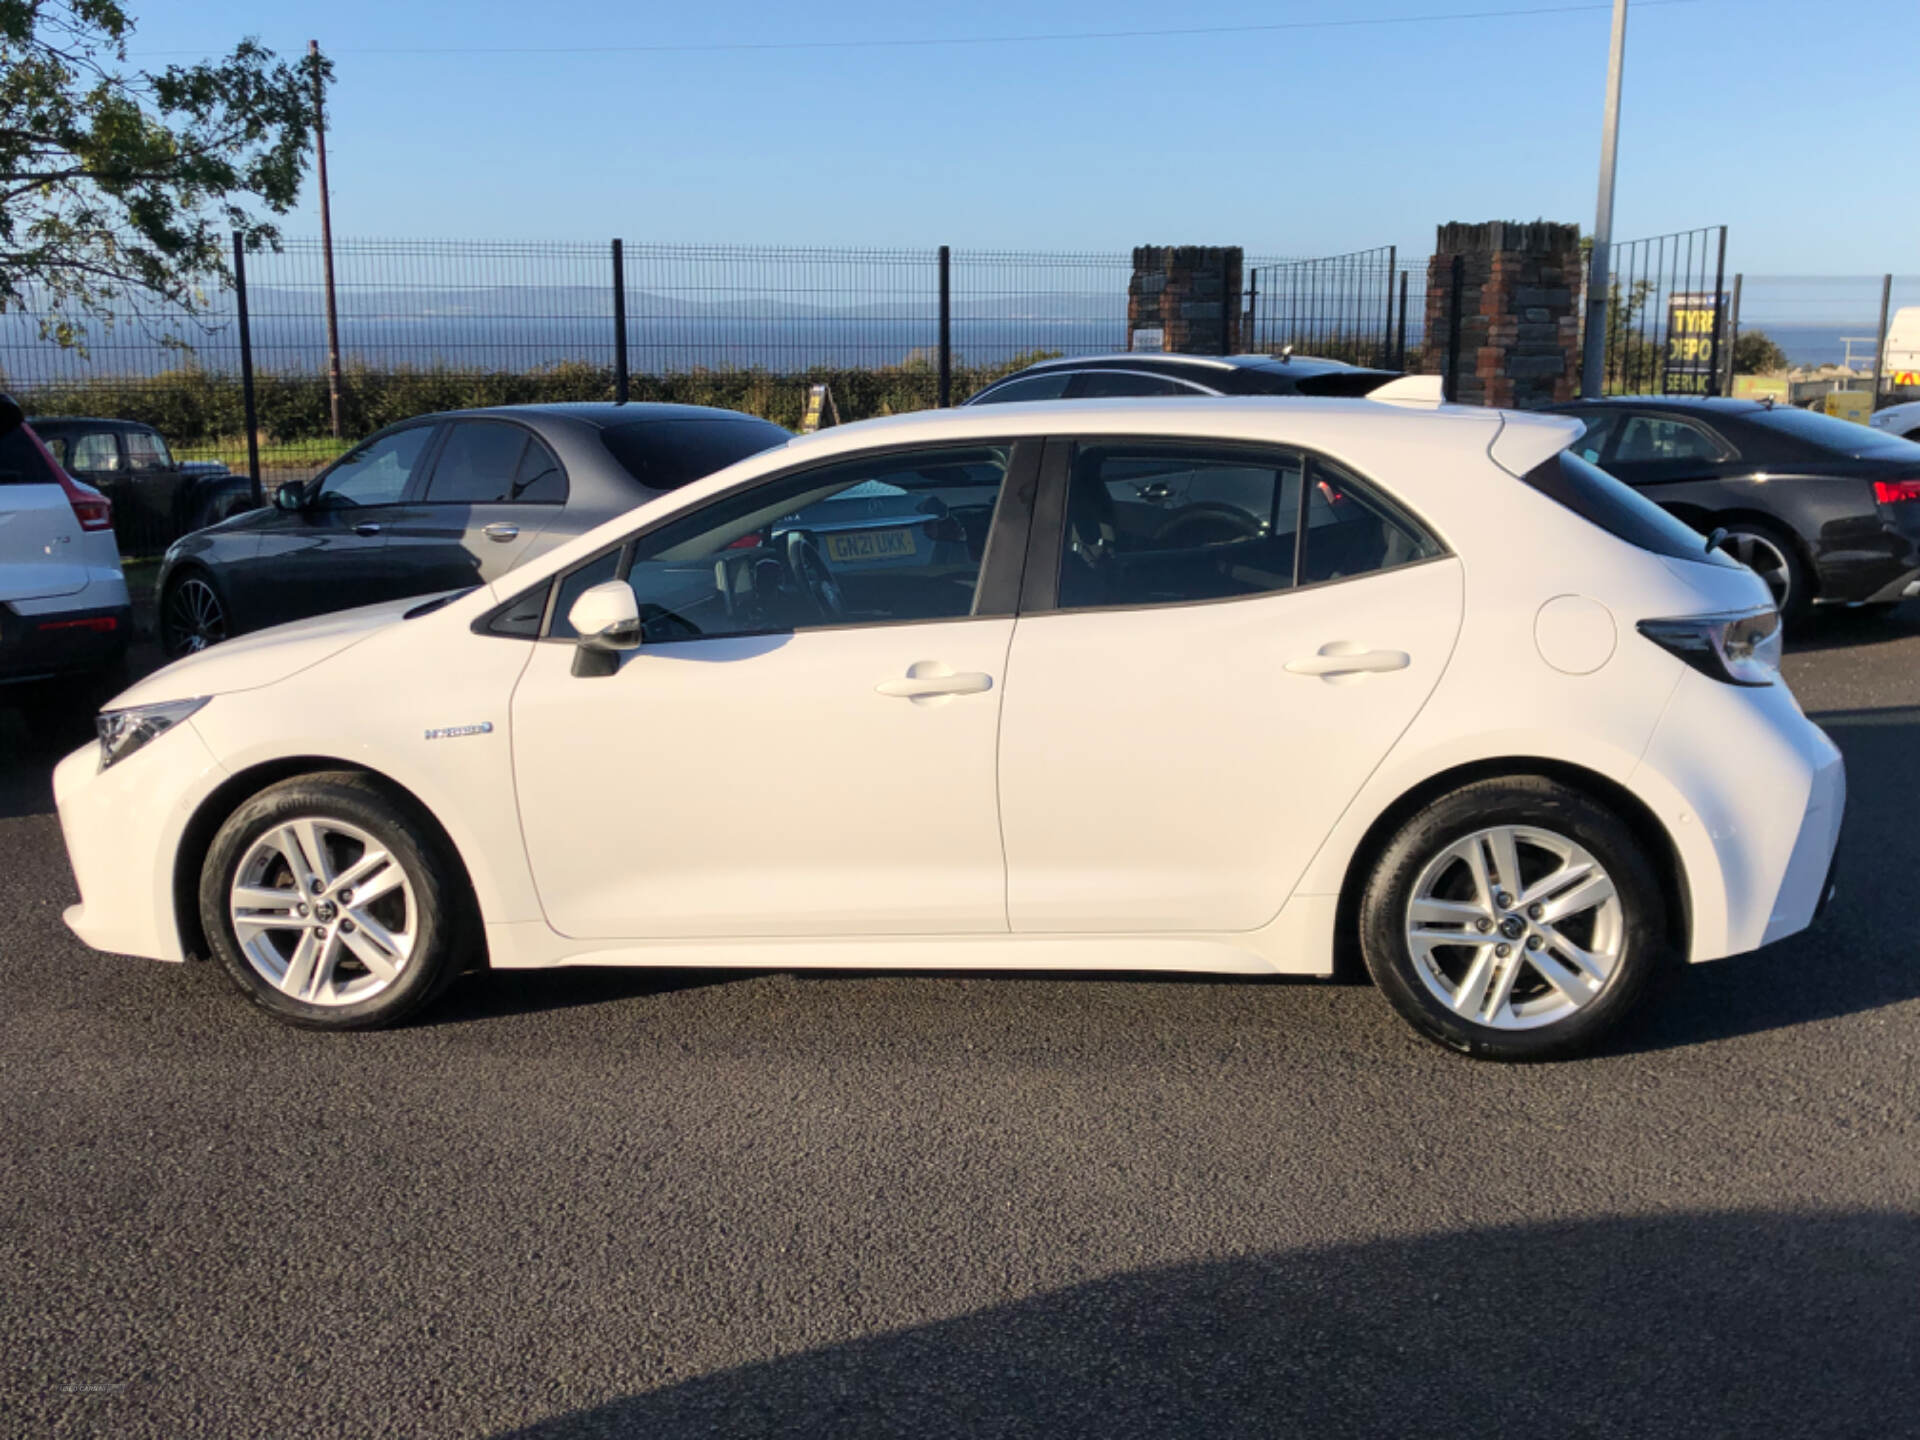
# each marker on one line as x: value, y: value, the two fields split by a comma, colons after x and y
x: 1116, y: 384
x: 147, y: 451
x: 95, y: 450
x: 478, y: 464
x: 1050, y: 386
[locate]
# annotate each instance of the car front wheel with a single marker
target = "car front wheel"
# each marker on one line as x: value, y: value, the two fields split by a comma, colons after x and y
x: 1514, y: 919
x: 192, y: 616
x: 331, y: 902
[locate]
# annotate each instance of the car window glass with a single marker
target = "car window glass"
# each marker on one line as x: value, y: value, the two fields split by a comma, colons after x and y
x: 1155, y: 524
x: 60, y: 448
x: 1663, y: 437
x: 1050, y: 386
x: 478, y: 463
x: 95, y: 450
x: 666, y: 454
x: 1600, y: 426
x: 1351, y: 531
x: 376, y: 473
x: 1620, y: 510
x: 1110, y: 384
x: 539, y: 480
x: 20, y: 462
x: 1830, y: 434
x: 882, y: 540
x: 147, y: 451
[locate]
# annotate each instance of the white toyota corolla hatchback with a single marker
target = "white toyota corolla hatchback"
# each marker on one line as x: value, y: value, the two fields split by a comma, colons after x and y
x: 1203, y: 685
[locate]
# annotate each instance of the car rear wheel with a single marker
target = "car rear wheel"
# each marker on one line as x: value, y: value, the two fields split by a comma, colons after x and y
x: 330, y: 902
x: 1774, y: 557
x: 192, y: 616
x: 1514, y: 919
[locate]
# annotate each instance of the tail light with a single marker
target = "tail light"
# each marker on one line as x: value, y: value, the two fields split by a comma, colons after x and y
x: 1892, y: 492
x: 1741, y: 649
x: 93, y: 510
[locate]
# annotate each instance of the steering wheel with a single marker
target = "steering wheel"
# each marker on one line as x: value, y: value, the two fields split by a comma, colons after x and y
x: 809, y: 569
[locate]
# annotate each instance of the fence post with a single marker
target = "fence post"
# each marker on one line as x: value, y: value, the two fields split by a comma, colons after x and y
x: 1386, y: 339
x: 1719, y: 319
x: 619, y: 325
x: 1456, y: 282
x: 1880, y: 345
x: 1733, y: 332
x: 1252, y: 338
x: 946, y: 327
x: 1400, y: 342
x: 250, y: 418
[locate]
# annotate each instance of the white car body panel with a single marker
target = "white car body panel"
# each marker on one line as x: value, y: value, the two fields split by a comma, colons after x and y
x: 43, y: 551
x: 907, y: 846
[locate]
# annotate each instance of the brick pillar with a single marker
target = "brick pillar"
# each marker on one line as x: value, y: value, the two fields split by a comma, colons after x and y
x: 1519, y: 317
x: 1191, y: 294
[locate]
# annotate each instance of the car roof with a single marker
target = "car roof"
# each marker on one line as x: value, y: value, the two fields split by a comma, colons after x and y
x: 1163, y: 360
x: 1705, y: 404
x: 41, y: 422
x: 602, y: 414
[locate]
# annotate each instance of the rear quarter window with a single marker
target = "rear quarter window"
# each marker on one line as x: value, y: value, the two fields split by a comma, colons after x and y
x: 21, y: 462
x: 666, y: 454
x: 1831, y: 436
x: 1618, y: 509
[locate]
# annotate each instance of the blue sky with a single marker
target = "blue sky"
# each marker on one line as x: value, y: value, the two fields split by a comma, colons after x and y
x: 1781, y: 119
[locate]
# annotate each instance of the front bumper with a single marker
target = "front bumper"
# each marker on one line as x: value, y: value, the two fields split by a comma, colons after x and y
x: 54, y: 643
x: 123, y: 828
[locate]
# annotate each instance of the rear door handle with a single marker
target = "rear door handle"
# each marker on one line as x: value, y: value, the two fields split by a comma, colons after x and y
x: 1348, y: 660
x: 500, y: 530
x: 366, y: 527
x: 929, y: 680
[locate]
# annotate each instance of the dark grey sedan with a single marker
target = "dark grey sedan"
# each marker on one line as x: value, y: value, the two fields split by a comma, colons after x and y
x: 439, y: 503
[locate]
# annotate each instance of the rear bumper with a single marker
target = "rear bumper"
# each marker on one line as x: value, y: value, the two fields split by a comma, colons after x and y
x: 53, y: 643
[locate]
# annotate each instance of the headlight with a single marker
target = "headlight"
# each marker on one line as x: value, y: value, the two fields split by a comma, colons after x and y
x: 124, y: 731
x: 1741, y: 649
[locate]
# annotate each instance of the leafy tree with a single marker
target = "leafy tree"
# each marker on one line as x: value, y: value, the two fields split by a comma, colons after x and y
x: 118, y: 185
x: 1755, y: 353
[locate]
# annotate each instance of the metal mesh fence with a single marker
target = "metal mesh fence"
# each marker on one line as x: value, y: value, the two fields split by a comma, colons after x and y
x: 1820, y: 321
x: 1667, y: 314
x: 1366, y: 308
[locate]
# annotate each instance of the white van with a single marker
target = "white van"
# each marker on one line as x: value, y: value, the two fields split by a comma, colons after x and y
x: 1900, y: 363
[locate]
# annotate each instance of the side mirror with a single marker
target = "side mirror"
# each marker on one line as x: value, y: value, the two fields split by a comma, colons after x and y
x: 607, y: 620
x: 290, y: 496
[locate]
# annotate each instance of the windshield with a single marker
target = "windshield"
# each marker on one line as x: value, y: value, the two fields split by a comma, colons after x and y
x: 666, y: 454
x: 1834, y: 436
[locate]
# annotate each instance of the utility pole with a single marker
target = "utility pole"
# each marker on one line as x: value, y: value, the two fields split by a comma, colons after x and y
x: 326, y: 242
x: 1593, y: 356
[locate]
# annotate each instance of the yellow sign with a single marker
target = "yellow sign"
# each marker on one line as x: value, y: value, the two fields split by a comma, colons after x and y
x: 1906, y: 377
x: 820, y: 407
x: 1693, y: 335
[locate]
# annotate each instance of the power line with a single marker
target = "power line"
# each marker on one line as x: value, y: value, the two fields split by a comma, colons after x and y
x: 1060, y: 37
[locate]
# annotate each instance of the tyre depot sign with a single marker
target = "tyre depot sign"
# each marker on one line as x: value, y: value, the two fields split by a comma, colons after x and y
x: 1693, y: 342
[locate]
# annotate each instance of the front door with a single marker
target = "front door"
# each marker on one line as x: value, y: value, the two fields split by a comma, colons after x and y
x: 330, y: 553
x: 1183, y: 733
x: 804, y: 743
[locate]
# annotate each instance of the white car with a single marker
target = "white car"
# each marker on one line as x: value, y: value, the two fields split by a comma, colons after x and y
x: 1902, y: 420
x: 64, y: 616
x: 1203, y: 685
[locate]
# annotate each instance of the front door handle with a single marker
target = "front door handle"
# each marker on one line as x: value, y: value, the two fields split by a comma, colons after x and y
x: 366, y: 527
x: 1347, y: 661
x: 500, y: 530
x: 929, y: 681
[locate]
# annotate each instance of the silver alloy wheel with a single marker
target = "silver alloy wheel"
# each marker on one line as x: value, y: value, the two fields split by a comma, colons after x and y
x: 1514, y: 927
x: 323, y: 912
x: 195, y: 617
x: 1763, y: 557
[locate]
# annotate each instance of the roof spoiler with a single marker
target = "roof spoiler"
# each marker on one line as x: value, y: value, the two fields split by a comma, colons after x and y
x: 1411, y: 390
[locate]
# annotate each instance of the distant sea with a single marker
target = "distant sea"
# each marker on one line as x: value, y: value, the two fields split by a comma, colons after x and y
x: 1819, y: 344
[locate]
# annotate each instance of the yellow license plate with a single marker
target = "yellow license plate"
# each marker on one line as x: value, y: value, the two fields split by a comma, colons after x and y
x: 851, y: 549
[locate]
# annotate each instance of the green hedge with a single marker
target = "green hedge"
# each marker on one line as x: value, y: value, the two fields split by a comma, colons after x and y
x: 195, y: 407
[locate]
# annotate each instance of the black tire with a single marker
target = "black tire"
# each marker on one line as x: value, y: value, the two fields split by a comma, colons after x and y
x: 181, y: 624
x: 444, y: 934
x: 1532, y: 801
x: 1758, y: 543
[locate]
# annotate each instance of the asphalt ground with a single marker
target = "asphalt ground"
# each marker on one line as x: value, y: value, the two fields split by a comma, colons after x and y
x: 667, y: 1204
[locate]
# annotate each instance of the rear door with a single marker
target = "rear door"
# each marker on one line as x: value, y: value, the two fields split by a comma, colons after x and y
x: 493, y: 488
x: 39, y: 536
x: 1193, y: 700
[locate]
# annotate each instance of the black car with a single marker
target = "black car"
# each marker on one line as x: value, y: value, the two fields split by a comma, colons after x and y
x: 156, y: 499
x: 439, y: 503
x: 1827, y: 511
x: 1100, y: 377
